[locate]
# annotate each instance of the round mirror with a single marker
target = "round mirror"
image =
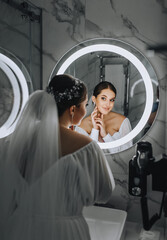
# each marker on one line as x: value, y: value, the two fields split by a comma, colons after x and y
x: 127, y: 69
x: 15, y: 85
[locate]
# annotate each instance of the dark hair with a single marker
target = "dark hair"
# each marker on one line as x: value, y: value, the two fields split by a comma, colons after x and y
x: 103, y: 85
x: 67, y: 91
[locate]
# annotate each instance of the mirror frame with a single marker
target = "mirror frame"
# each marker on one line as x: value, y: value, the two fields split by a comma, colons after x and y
x: 135, y: 57
x: 19, y: 87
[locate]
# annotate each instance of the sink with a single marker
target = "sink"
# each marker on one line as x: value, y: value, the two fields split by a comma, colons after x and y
x: 105, y: 223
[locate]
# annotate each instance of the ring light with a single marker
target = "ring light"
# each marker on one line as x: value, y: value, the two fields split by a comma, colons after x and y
x: 142, y: 70
x: 16, y: 93
x: 20, y: 90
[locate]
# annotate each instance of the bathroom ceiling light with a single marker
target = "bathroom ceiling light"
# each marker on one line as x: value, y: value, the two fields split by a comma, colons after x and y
x: 144, y: 74
x: 16, y: 77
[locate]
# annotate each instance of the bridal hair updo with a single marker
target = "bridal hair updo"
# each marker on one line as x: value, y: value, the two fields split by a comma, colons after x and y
x: 67, y: 91
x: 104, y: 85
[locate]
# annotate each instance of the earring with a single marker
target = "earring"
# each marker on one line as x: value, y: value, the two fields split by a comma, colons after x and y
x: 72, y: 126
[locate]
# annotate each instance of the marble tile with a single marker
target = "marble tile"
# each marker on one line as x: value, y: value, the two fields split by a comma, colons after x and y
x: 63, y: 27
x: 133, y: 231
x: 120, y: 198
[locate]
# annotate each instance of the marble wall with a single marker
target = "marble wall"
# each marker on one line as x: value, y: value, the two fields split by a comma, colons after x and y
x: 140, y: 23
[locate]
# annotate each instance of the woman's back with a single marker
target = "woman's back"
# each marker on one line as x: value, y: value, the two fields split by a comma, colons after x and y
x: 71, y: 141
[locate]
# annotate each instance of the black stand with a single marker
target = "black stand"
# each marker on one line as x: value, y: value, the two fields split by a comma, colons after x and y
x: 140, y: 166
x: 148, y: 223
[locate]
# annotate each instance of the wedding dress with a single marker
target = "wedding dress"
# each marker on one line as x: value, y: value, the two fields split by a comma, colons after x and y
x: 124, y: 129
x: 50, y: 208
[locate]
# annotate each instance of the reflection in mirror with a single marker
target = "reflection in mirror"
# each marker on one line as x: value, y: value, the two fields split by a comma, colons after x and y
x: 105, y: 64
x: 15, y: 85
x: 6, y: 98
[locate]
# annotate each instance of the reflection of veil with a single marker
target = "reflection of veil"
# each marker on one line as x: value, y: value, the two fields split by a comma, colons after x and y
x: 32, y: 149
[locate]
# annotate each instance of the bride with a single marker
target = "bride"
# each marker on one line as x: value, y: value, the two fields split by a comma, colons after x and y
x: 51, y: 172
x: 103, y: 124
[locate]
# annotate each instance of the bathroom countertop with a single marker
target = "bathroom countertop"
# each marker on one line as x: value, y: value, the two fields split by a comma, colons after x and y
x: 133, y: 230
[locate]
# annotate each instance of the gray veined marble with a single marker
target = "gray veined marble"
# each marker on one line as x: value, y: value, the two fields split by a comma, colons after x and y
x: 71, y: 12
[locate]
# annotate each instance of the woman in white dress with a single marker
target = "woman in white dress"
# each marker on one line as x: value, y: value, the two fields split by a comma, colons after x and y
x: 104, y: 125
x: 52, y: 172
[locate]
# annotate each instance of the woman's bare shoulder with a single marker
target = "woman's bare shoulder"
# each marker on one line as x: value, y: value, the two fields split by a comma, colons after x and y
x: 80, y: 137
x: 115, y: 120
x: 72, y: 141
x: 117, y: 115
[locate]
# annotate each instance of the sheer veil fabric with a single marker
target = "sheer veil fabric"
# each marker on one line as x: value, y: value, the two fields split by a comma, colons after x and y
x: 43, y: 193
x: 28, y: 156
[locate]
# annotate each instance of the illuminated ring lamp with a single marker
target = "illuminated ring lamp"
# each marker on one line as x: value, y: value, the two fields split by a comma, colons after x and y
x: 16, y: 93
x: 20, y: 90
x: 142, y: 70
x: 136, y: 83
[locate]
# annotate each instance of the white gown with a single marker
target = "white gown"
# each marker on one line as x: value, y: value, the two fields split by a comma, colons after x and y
x: 51, y: 208
x: 125, y: 128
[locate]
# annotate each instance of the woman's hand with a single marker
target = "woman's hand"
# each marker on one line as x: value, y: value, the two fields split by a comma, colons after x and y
x: 94, y: 115
x: 98, y: 123
x: 101, y: 125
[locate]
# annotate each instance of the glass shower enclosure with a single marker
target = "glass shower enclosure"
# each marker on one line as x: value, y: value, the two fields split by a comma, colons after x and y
x: 21, y: 35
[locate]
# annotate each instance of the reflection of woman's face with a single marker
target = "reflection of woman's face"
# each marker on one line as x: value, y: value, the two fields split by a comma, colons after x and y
x: 105, y: 101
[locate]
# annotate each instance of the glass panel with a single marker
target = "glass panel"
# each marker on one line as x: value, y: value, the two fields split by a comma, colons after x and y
x: 20, y: 27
